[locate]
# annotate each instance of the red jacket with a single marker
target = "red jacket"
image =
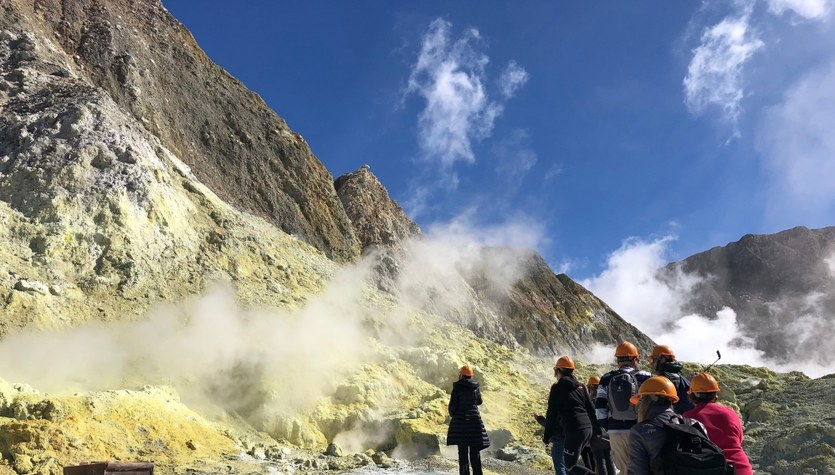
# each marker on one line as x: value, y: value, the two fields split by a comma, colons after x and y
x: 725, y: 430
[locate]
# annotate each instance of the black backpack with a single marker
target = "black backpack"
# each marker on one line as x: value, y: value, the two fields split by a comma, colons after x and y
x: 688, y: 451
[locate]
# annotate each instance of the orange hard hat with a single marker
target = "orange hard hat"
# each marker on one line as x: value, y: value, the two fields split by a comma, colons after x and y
x: 593, y: 380
x: 564, y: 362
x: 703, y: 383
x: 466, y: 370
x: 657, y: 385
x: 626, y: 349
x: 662, y: 350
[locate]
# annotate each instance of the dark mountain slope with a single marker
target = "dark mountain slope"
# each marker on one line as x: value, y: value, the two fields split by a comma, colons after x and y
x: 781, y: 285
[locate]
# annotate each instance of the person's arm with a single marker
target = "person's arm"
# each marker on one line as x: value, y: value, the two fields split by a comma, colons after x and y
x: 601, y: 404
x: 736, y: 427
x: 478, y: 397
x: 638, y: 455
x: 453, y: 401
x: 551, y: 415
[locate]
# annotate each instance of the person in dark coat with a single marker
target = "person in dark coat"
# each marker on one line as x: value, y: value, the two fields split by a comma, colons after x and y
x: 655, y: 400
x: 663, y: 362
x: 570, y: 419
x: 466, y: 429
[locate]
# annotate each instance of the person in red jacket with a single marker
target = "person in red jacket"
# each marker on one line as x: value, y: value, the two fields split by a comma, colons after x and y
x: 723, y: 425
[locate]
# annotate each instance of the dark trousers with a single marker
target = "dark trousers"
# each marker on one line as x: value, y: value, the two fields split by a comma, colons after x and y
x: 601, y: 451
x: 469, y: 455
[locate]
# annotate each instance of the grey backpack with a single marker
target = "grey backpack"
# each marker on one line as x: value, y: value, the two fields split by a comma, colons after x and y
x: 621, y: 388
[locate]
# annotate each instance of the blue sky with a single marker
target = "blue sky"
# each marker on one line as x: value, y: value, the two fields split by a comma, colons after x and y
x: 572, y: 127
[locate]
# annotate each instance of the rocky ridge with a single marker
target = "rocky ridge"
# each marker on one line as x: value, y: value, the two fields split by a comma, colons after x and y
x: 780, y: 285
x: 510, y: 296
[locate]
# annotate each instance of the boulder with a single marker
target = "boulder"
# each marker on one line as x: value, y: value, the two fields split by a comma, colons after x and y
x: 416, y: 439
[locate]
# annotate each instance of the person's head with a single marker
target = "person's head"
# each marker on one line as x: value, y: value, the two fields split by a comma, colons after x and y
x: 465, y: 372
x: 703, y: 388
x: 563, y: 367
x: 660, y: 354
x: 593, y: 384
x: 626, y: 354
x: 656, y: 391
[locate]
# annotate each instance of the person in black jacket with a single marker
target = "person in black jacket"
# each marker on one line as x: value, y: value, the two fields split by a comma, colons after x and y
x: 569, y: 421
x: 466, y: 429
x: 663, y: 362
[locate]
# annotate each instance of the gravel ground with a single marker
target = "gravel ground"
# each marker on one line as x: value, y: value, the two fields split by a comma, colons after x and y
x: 444, y: 466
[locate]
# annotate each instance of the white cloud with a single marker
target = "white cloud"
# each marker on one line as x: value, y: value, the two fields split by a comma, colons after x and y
x: 513, y: 77
x: 716, y: 73
x: 714, y: 76
x: 450, y: 76
x: 798, y: 147
x: 808, y: 9
x: 418, y: 202
x: 554, y: 171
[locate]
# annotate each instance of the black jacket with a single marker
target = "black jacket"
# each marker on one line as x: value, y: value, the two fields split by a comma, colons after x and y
x: 570, y: 410
x: 672, y: 371
x: 465, y: 425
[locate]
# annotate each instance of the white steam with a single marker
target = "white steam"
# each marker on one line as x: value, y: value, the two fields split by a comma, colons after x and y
x: 270, y: 366
x: 631, y: 285
x: 265, y: 365
x: 654, y: 303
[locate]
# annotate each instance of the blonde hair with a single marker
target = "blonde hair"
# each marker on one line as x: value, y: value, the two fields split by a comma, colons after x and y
x: 648, y: 401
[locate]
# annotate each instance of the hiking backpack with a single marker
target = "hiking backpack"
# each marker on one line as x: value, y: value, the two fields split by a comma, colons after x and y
x: 688, y: 451
x: 621, y: 388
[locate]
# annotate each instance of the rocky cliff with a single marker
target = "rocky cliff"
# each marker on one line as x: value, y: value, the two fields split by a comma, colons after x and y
x: 782, y: 287
x: 510, y: 296
x: 136, y: 53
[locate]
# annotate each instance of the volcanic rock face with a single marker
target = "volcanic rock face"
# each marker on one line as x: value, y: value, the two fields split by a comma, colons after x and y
x: 99, y: 218
x: 377, y: 219
x: 149, y: 64
x: 510, y: 296
x: 551, y: 314
x: 782, y: 287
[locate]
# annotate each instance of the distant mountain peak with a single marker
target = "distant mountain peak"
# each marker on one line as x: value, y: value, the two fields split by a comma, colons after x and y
x: 779, y: 285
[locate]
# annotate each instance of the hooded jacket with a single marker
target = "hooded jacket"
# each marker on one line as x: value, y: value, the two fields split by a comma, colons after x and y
x: 672, y: 371
x: 569, y: 410
x: 465, y: 425
x: 646, y: 439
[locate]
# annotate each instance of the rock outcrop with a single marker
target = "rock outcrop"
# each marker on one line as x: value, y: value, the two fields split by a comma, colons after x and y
x: 552, y: 314
x: 100, y: 219
x: 780, y: 285
x: 150, y: 66
x: 378, y: 220
x: 510, y: 296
